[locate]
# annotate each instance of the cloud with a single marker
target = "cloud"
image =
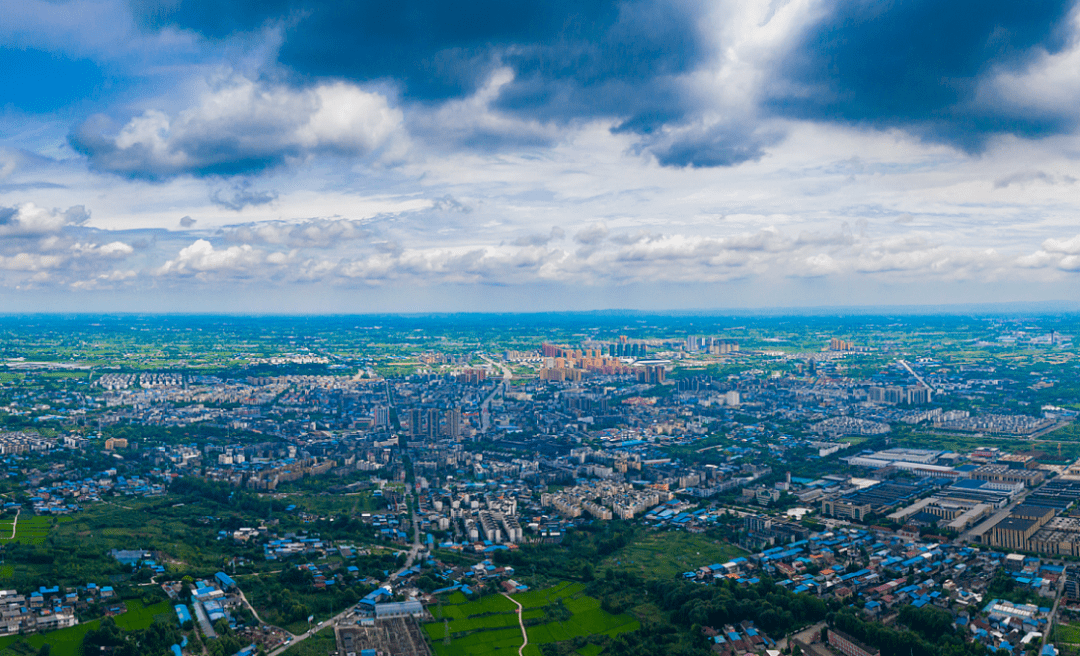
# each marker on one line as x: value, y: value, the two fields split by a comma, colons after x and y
x: 313, y: 233
x: 202, y: 257
x: 540, y: 239
x: 919, y: 66
x: 715, y: 143
x: 105, y: 280
x: 450, y: 204
x: 592, y: 235
x: 31, y: 262
x: 564, y: 51
x: 240, y: 195
x: 114, y: 249
x: 187, y: 221
x: 29, y: 220
x: 1067, y: 246
x: 241, y: 126
x: 1025, y: 177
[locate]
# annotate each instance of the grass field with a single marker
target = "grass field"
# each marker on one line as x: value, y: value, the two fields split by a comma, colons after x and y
x: 320, y: 644
x: 489, y: 626
x: 1068, y: 633
x: 32, y: 530
x: 666, y: 555
x: 68, y: 642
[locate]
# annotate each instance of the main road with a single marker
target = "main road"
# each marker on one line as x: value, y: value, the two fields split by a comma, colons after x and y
x: 485, y: 411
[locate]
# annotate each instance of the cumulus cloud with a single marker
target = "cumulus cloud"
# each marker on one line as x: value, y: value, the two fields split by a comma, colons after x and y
x: 202, y: 257
x: 1069, y: 246
x: 113, y: 249
x: 30, y: 262
x: 29, y: 220
x: 187, y: 221
x: 240, y: 126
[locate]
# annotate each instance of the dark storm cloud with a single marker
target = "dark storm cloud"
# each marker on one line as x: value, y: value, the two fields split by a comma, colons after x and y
x: 917, y: 64
x: 440, y: 50
x: 571, y: 59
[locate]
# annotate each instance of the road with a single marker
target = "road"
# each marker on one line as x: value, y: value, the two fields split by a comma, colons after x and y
x: 1053, y: 614
x: 485, y: 411
x: 416, y: 545
x: 250, y: 607
x: 14, y: 525
x: 917, y: 376
x: 521, y: 623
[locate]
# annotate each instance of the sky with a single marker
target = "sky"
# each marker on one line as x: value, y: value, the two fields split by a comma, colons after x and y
x: 344, y: 156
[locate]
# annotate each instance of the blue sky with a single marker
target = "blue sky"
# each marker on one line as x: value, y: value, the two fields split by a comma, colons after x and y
x: 349, y: 156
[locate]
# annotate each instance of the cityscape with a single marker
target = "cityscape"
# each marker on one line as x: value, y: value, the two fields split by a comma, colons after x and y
x: 567, y: 484
x: 539, y: 328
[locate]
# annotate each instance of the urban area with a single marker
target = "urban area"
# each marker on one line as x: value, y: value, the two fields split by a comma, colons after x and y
x: 554, y: 485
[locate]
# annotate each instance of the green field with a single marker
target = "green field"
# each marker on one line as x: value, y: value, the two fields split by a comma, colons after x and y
x: 1068, y: 633
x: 666, y: 555
x: 320, y: 644
x: 30, y: 530
x: 489, y: 626
x: 68, y: 642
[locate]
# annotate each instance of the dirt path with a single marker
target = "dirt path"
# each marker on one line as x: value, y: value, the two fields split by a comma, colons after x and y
x: 14, y: 525
x: 521, y: 623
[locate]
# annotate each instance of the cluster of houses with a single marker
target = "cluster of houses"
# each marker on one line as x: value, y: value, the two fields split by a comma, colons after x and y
x: 46, y: 609
x: 736, y: 640
x: 879, y: 573
x: 63, y: 496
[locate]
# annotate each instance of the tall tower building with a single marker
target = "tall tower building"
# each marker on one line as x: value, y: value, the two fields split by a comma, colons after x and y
x: 453, y: 423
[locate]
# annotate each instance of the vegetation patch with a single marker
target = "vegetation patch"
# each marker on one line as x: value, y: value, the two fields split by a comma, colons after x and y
x: 668, y: 554
x: 489, y: 626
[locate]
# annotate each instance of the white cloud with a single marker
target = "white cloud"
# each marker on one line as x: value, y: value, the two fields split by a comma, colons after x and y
x: 240, y: 126
x: 202, y: 257
x: 1068, y: 246
x: 31, y: 262
x: 29, y: 220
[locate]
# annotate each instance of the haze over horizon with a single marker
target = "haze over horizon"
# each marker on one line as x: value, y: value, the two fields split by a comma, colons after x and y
x: 302, y: 156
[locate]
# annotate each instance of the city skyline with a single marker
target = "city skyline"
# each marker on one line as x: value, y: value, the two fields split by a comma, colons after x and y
x: 328, y: 157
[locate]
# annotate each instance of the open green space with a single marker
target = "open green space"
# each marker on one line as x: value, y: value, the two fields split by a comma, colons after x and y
x: 489, y: 626
x: 140, y: 617
x: 668, y: 554
x: 30, y: 530
x: 546, y: 596
x: 320, y: 644
x: 1067, y: 633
